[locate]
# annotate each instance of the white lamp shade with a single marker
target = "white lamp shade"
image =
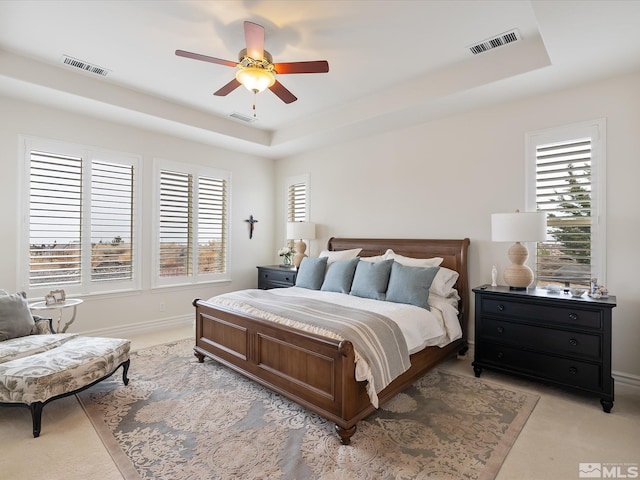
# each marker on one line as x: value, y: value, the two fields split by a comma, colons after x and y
x: 519, y: 227
x: 301, y: 231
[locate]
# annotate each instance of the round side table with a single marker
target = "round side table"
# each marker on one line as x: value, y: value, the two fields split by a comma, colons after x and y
x: 71, y: 302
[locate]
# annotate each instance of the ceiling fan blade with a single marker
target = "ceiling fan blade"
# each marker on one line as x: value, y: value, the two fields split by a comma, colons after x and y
x: 254, y: 38
x: 285, y: 95
x: 228, y: 88
x: 205, y: 58
x: 318, y: 66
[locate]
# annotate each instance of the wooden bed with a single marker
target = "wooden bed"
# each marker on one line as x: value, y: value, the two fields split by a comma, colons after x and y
x: 316, y: 372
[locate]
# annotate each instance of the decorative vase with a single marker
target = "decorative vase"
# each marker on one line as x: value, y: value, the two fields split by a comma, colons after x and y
x: 286, y: 261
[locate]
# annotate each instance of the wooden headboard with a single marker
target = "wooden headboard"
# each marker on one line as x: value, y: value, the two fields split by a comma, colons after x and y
x: 454, y: 253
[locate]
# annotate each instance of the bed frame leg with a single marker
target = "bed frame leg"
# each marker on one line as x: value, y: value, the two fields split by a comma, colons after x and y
x: 346, y: 434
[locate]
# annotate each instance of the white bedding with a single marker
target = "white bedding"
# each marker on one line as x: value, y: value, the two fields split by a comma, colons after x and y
x: 420, y: 327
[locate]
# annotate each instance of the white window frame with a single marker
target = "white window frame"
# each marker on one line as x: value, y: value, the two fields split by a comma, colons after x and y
x: 290, y: 181
x: 87, y: 154
x: 196, y: 171
x: 596, y: 130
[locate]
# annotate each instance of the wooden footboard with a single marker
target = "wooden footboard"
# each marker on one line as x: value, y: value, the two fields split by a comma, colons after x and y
x: 317, y: 372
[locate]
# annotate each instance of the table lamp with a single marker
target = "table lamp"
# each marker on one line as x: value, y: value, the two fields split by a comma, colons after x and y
x: 518, y: 227
x: 299, y: 231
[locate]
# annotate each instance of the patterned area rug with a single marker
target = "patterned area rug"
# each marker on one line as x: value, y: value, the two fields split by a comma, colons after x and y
x: 179, y: 419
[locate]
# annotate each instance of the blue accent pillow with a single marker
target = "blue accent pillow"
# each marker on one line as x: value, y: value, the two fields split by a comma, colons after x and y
x: 371, y: 279
x: 340, y: 275
x: 311, y: 273
x: 410, y: 284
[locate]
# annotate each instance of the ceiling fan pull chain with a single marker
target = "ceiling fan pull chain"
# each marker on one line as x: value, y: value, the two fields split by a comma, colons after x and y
x: 255, y: 94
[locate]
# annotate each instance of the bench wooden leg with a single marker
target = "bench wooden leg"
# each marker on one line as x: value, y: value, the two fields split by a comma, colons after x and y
x: 125, y: 369
x: 36, y: 417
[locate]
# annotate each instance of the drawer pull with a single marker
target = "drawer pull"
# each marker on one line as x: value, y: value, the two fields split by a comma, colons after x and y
x: 500, y: 355
x: 286, y: 278
x: 500, y: 329
x: 573, y: 342
x: 573, y: 370
x: 573, y: 316
x: 501, y: 307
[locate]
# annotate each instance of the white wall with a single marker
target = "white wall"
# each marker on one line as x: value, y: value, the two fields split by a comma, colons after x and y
x: 441, y: 179
x: 445, y: 178
x: 252, y: 185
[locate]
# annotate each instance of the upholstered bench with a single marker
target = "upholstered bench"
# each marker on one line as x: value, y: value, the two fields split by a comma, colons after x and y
x: 36, y: 369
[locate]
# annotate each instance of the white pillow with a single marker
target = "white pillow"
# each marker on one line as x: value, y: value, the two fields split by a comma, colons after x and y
x: 339, y: 255
x: 413, y: 262
x: 437, y: 301
x: 443, y: 282
x: 376, y: 259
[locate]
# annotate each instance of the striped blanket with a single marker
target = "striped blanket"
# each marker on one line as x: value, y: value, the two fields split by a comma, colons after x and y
x: 378, y: 343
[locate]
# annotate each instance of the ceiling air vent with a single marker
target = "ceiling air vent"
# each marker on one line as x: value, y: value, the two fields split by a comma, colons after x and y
x: 494, y: 42
x: 242, y: 118
x: 82, y: 65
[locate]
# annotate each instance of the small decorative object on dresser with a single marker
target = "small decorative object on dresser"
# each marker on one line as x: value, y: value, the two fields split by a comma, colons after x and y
x: 555, y: 338
x: 275, y: 276
x: 286, y: 253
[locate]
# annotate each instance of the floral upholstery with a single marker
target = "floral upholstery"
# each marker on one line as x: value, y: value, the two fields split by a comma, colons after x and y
x: 41, y: 367
x: 73, y: 364
x: 31, y: 344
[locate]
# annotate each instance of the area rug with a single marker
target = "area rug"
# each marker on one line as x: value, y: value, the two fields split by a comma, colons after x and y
x: 179, y: 419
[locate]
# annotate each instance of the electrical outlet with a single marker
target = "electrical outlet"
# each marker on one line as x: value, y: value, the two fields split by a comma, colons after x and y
x: 163, y: 306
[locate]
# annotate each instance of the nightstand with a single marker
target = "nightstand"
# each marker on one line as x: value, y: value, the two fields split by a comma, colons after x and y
x: 554, y: 338
x: 275, y: 276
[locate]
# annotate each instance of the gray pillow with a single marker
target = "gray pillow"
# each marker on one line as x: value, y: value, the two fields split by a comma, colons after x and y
x: 410, y: 284
x: 311, y: 273
x: 15, y: 317
x: 371, y: 279
x: 339, y: 276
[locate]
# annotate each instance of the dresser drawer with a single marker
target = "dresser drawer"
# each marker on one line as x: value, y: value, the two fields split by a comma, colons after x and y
x: 275, y: 277
x: 569, y: 372
x: 575, y: 344
x: 540, y: 313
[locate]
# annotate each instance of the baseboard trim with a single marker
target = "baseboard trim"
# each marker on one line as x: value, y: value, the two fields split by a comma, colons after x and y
x: 142, y: 328
x: 627, y: 379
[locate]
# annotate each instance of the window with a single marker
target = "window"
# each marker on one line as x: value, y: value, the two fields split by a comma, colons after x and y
x: 192, y: 224
x: 566, y: 180
x: 80, y: 219
x: 297, y: 200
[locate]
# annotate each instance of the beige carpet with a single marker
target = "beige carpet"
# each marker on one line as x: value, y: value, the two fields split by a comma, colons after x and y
x: 178, y: 419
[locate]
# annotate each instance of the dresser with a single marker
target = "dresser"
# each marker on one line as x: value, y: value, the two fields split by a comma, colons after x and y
x: 554, y: 338
x: 275, y: 276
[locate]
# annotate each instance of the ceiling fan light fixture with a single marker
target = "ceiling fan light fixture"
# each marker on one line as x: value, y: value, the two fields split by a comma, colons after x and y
x: 255, y: 79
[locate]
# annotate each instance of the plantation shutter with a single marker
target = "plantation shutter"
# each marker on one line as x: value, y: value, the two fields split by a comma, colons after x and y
x: 564, y: 193
x: 55, y: 219
x: 176, y: 236
x: 212, y: 222
x: 296, y: 205
x: 297, y: 202
x: 111, y: 221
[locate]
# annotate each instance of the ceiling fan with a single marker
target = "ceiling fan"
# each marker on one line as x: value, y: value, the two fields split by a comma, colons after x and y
x: 256, y: 70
